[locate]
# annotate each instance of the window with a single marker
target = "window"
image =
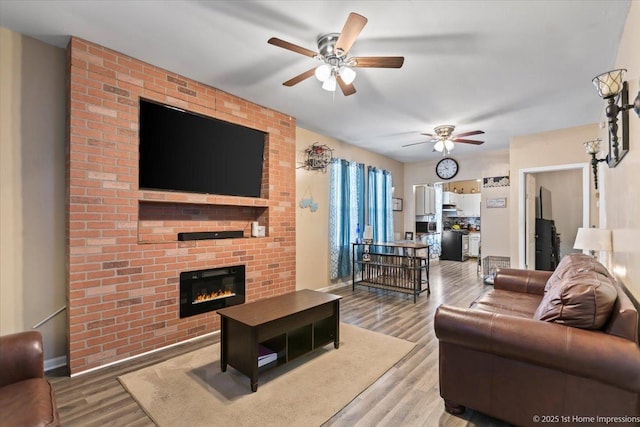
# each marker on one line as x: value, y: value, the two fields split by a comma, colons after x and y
x: 380, y: 204
x: 347, y: 211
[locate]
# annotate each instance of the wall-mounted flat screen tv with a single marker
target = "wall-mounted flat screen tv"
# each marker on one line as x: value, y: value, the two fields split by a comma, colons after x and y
x: 188, y: 152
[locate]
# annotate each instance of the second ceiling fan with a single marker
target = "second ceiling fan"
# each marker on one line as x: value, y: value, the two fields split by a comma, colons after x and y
x: 337, y: 68
x: 444, y: 139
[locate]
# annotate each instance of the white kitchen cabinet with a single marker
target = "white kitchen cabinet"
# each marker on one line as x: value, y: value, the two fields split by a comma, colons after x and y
x: 469, y: 205
x: 420, y: 195
x: 462, y: 205
x: 425, y: 200
x: 476, y: 203
x: 446, y: 197
x: 450, y: 198
x: 474, y: 244
x: 430, y: 200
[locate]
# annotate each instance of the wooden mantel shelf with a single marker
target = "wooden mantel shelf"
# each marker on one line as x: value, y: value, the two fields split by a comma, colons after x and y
x: 203, y: 199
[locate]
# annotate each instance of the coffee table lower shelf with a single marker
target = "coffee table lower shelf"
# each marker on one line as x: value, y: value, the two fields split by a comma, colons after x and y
x: 289, y: 325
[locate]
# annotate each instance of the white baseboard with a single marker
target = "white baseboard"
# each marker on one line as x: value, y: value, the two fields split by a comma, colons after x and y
x: 126, y: 359
x: 56, y: 362
x: 334, y: 286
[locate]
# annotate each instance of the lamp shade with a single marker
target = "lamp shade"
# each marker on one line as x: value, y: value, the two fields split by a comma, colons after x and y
x: 593, y: 146
x: 610, y: 83
x: 347, y: 74
x: 323, y: 72
x: 593, y: 239
x: 439, y: 146
x: 330, y: 84
x: 448, y: 144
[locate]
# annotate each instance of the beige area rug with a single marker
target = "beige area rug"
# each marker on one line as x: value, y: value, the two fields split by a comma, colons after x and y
x: 190, y: 390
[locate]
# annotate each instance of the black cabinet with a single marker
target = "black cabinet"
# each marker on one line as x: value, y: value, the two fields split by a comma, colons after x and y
x: 547, y: 245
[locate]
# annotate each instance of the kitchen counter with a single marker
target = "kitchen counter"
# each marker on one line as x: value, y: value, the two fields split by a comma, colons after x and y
x: 461, y: 231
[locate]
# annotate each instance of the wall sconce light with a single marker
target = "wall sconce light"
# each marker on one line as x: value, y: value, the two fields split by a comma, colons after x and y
x: 610, y: 86
x: 593, y: 148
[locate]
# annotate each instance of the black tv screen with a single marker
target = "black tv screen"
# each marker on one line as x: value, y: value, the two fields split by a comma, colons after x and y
x: 184, y: 151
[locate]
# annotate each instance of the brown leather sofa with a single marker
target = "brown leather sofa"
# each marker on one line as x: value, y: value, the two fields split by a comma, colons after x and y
x: 498, y: 358
x: 26, y: 397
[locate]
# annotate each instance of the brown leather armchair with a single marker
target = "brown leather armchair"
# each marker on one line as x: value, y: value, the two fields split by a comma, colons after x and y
x: 26, y: 397
x: 496, y: 358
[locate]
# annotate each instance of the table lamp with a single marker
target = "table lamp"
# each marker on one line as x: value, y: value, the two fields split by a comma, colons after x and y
x: 593, y: 239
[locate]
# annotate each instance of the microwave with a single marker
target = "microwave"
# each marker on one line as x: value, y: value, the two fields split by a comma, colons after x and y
x: 425, y: 227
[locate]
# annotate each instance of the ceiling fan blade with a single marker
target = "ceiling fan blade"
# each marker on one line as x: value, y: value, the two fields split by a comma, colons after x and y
x: 416, y: 143
x: 429, y: 135
x: 347, y: 89
x: 378, y: 61
x: 292, y: 47
x: 355, y: 23
x: 467, y: 141
x: 473, y: 132
x: 300, y: 77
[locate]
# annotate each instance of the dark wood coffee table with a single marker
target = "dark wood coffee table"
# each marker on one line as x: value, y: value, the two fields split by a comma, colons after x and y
x: 290, y: 325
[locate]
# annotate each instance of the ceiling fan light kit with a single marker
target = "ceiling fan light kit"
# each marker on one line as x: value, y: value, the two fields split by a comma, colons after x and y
x: 327, y: 74
x: 444, y: 146
x: 337, y: 68
x: 334, y: 64
x: 444, y: 141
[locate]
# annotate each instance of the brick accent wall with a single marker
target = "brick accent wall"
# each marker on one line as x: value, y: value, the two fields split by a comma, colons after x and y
x: 124, y: 259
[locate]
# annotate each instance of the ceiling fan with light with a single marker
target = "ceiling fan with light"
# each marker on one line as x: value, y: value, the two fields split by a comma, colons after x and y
x: 337, y: 68
x: 444, y: 139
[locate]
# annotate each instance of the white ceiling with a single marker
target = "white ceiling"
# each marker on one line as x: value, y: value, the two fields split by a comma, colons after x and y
x: 506, y: 67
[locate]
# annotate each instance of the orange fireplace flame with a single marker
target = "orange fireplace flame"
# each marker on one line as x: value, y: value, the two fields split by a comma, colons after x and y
x: 213, y: 295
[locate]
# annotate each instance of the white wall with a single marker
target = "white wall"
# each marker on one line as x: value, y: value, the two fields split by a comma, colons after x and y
x: 312, y: 228
x: 620, y: 208
x: 494, y: 231
x: 32, y: 188
x: 541, y: 150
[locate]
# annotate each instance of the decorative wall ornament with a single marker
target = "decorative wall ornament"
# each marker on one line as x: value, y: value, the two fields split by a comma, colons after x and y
x: 497, y: 202
x: 309, y: 203
x: 496, y: 181
x: 317, y: 157
x: 396, y: 204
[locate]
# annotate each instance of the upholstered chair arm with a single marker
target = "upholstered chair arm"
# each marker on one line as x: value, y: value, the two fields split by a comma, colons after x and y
x: 21, y: 357
x: 523, y: 281
x: 584, y: 353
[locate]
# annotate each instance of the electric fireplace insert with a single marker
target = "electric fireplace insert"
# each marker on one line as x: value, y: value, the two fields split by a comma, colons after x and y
x: 207, y: 290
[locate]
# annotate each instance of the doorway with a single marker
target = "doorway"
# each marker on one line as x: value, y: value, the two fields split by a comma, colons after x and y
x: 527, y: 209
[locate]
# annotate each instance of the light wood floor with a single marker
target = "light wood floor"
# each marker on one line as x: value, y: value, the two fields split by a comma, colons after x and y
x: 407, y: 395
